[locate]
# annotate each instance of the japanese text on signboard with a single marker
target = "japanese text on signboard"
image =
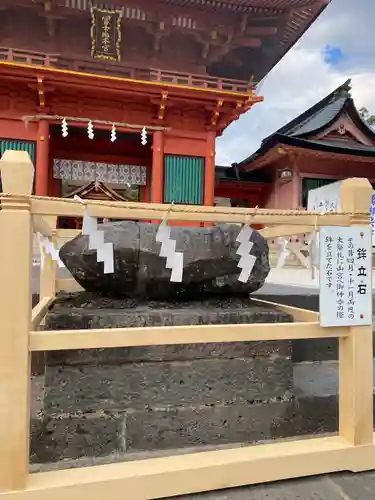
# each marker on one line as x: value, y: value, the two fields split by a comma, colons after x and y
x: 106, y: 33
x: 345, y: 276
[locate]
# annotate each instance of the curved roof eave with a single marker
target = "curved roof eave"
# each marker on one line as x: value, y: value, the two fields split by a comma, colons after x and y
x: 320, y: 115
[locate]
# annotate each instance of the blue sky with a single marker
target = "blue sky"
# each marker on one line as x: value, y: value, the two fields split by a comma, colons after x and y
x: 337, y: 46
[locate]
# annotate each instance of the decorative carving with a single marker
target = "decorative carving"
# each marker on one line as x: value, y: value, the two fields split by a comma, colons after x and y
x: 85, y: 171
x: 96, y: 191
x: 216, y: 112
x: 41, y: 96
x: 163, y: 102
x: 50, y: 18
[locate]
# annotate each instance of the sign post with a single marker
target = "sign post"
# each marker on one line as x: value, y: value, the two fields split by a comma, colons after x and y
x: 345, y: 276
x: 347, y: 258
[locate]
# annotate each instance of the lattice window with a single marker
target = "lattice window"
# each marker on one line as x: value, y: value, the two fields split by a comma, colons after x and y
x: 183, y: 179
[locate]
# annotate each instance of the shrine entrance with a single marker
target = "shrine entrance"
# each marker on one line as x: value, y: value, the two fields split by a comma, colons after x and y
x: 95, y: 190
x: 99, y: 168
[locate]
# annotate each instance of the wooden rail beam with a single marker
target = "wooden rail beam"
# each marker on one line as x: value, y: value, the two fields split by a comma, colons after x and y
x: 280, y: 231
x: 41, y: 226
x: 146, y: 211
x: 40, y: 310
x: 298, y: 314
x: 55, y: 340
x: 69, y: 285
x: 198, y: 472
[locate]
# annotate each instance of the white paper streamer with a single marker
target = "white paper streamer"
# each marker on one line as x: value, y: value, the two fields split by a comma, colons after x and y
x: 64, y: 128
x: 46, y: 247
x: 283, y: 254
x: 175, y: 260
x: 90, y: 130
x: 313, y: 245
x: 144, y: 136
x: 113, y: 133
x: 247, y: 261
x: 104, y: 251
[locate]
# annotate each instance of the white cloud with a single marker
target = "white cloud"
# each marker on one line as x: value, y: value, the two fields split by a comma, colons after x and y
x: 364, y: 90
x: 300, y: 80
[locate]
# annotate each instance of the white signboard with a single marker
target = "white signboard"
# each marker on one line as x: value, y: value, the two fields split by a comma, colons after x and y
x: 324, y: 199
x: 327, y: 199
x: 345, y: 276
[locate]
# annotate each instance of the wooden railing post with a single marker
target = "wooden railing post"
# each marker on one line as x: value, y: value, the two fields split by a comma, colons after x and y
x: 17, y: 173
x: 356, y: 350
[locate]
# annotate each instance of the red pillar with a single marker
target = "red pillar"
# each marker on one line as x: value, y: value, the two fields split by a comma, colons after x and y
x: 297, y: 202
x: 157, y: 171
x: 209, y: 180
x: 209, y: 174
x: 42, y: 159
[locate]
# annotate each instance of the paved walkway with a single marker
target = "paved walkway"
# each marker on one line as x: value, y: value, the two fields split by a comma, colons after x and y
x: 331, y: 487
x: 297, y: 278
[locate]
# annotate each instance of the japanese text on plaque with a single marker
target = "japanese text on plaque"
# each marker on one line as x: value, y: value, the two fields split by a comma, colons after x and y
x: 345, y: 276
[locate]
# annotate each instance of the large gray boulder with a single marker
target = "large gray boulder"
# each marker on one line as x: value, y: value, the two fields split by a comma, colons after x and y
x: 210, y: 262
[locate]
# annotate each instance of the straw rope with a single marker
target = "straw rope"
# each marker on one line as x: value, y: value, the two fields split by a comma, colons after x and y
x: 158, y: 207
x: 76, y: 119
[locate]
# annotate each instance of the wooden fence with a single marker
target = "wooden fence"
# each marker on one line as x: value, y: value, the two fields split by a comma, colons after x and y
x: 353, y: 449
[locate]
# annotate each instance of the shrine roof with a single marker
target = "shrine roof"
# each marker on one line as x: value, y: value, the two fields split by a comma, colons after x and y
x: 242, y: 5
x: 321, y: 114
x: 229, y: 175
x: 339, y: 145
x: 98, y: 188
x: 291, y: 19
x: 238, y: 40
x: 301, y: 131
x: 329, y: 146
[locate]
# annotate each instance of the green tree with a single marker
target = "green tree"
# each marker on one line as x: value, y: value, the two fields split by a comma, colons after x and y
x: 367, y: 117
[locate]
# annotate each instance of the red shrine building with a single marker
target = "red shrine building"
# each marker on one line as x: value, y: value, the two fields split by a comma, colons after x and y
x: 125, y: 101
x: 326, y: 143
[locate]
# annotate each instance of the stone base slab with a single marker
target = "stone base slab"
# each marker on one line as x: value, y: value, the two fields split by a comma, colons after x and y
x: 100, y: 434
x: 164, y: 384
x: 104, y: 402
x: 118, y: 434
